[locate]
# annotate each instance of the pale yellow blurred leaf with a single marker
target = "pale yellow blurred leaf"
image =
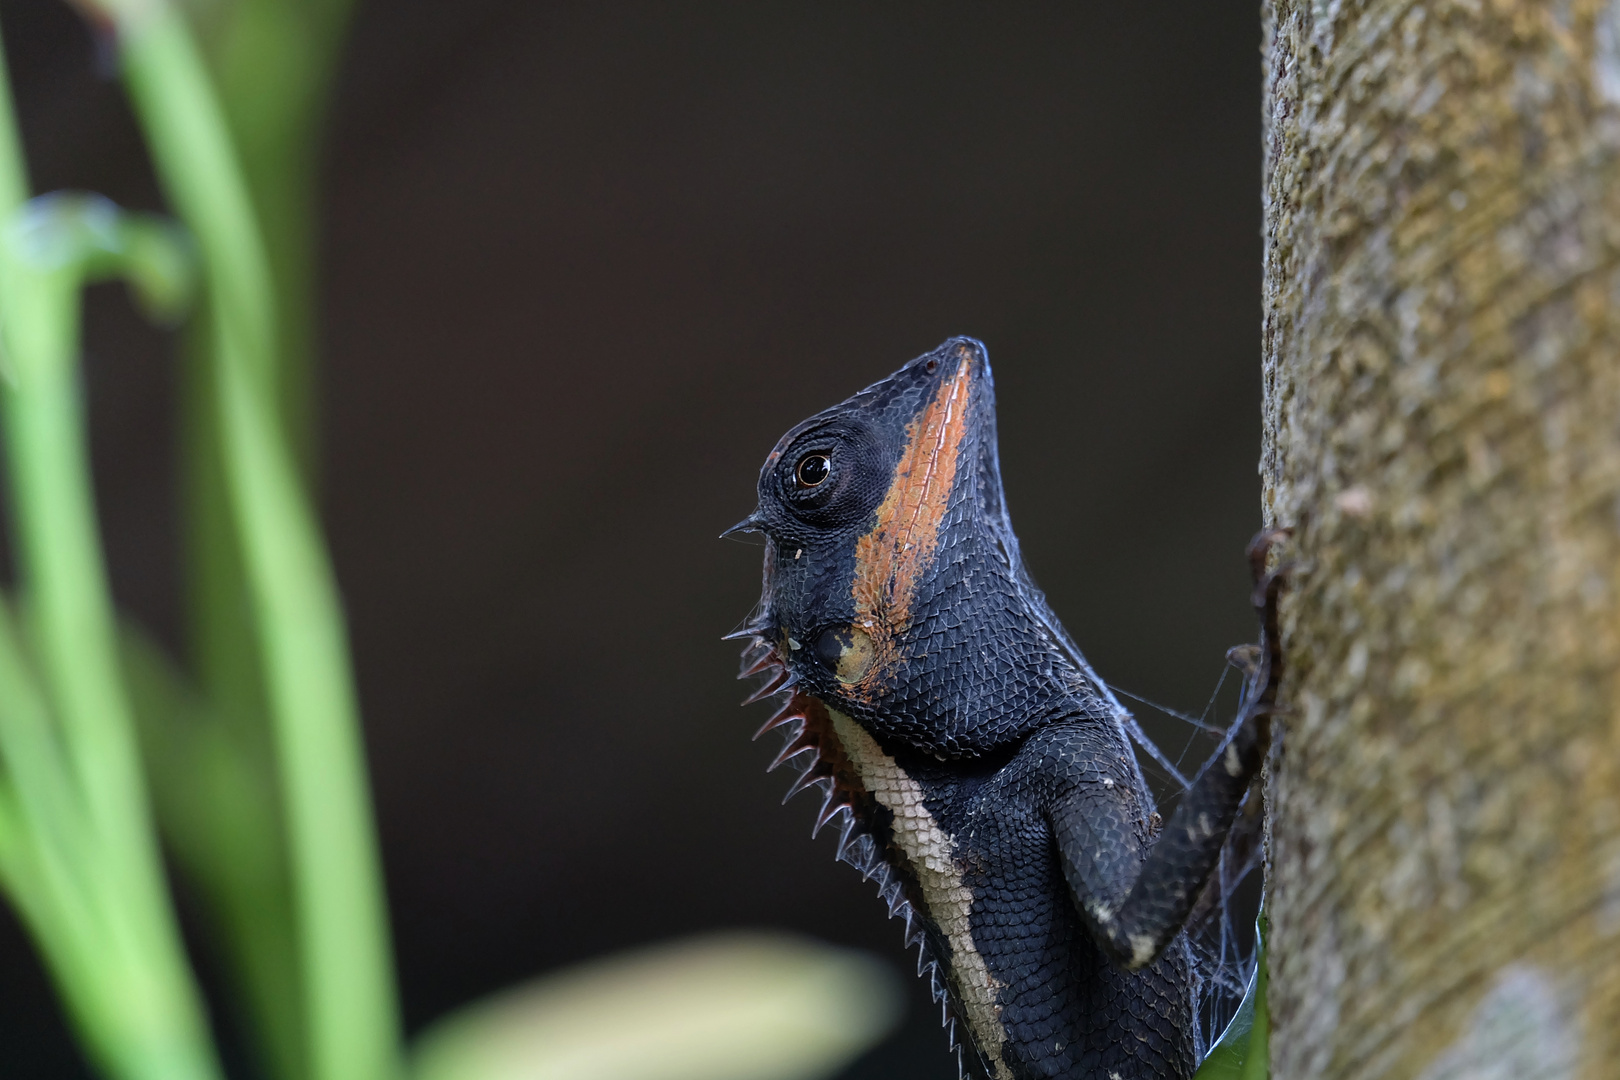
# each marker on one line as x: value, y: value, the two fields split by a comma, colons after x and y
x: 733, y: 1006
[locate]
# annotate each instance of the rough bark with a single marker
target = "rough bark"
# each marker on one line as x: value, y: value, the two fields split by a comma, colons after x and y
x: 1442, y: 369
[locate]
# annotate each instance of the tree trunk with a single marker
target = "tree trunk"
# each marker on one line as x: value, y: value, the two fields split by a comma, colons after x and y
x: 1442, y: 372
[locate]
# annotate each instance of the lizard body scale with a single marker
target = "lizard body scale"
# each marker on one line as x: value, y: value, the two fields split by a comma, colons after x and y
x: 978, y: 769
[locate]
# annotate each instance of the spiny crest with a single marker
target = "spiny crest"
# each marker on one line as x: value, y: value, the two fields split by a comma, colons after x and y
x: 856, y: 846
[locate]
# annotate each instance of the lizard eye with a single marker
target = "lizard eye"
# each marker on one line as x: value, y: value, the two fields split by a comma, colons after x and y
x: 829, y: 477
x: 812, y: 470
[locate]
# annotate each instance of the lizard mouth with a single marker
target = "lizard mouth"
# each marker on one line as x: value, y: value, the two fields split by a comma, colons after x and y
x: 813, y: 746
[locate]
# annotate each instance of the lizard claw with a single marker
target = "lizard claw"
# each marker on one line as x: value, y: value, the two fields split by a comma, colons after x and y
x: 1260, y: 549
x: 1245, y: 658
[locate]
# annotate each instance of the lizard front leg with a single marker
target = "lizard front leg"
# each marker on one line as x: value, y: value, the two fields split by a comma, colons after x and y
x: 1135, y: 907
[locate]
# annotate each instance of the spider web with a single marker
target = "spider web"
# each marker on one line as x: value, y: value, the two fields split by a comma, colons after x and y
x: 1220, y: 929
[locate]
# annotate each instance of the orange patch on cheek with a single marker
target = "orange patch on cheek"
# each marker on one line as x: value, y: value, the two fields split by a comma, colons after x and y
x: 890, y: 560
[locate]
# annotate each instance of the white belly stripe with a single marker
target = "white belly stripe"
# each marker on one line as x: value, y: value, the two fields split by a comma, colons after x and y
x: 948, y: 901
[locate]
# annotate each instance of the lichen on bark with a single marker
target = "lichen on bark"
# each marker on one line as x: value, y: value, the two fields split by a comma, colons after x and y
x: 1442, y: 429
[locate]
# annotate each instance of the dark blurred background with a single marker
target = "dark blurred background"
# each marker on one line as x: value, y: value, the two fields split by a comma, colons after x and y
x: 583, y: 264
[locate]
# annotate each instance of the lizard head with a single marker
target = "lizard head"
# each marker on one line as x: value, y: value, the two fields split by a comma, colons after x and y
x: 893, y: 587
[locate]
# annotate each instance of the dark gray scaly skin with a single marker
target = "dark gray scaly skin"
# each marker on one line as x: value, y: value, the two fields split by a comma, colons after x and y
x: 982, y: 773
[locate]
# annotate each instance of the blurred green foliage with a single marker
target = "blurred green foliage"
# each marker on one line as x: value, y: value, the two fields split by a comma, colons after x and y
x: 245, y: 755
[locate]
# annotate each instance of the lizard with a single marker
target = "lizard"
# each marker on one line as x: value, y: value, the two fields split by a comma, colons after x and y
x: 982, y: 772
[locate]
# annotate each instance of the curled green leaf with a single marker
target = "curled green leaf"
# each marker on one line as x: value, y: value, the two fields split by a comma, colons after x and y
x: 1242, y: 1052
x: 92, y: 238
